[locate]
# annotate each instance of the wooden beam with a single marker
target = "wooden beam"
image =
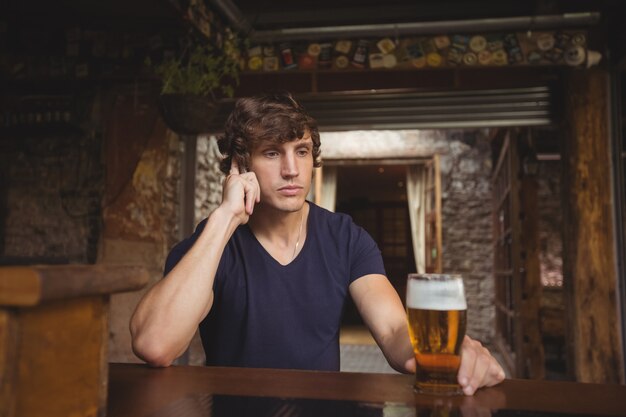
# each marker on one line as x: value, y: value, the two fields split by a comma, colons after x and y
x: 28, y: 286
x: 318, y: 177
x: 306, y: 81
x: 438, y: 213
x: 590, y: 278
x: 516, y: 251
x: 54, y: 337
x: 531, y: 284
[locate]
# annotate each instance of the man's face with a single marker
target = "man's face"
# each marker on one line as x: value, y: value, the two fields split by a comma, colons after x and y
x: 284, y: 172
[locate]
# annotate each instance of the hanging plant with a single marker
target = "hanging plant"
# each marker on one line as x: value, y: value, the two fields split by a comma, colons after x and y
x: 193, y: 83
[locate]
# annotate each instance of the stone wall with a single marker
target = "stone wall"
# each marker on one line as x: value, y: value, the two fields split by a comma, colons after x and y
x: 208, y: 177
x: 467, y: 224
x: 154, y: 200
x: 51, y: 189
x: 208, y: 196
x: 105, y: 190
x: 141, y: 201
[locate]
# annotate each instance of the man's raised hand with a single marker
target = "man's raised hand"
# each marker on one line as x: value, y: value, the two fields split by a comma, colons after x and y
x: 240, y: 192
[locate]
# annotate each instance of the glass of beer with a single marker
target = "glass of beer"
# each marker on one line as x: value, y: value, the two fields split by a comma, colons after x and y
x: 436, y: 310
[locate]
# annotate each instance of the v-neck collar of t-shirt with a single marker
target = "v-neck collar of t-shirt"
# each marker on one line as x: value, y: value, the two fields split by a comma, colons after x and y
x: 308, y: 236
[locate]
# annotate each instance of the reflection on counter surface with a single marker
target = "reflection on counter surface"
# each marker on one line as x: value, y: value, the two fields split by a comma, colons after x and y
x: 207, y: 405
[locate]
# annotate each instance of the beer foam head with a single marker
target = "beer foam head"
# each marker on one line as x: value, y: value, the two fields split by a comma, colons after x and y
x: 436, y: 293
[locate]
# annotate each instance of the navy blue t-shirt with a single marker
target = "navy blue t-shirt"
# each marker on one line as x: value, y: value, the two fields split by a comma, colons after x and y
x: 268, y: 315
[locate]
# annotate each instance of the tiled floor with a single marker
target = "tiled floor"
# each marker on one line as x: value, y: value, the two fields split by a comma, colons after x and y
x: 364, y: 358
x: 360, y: 353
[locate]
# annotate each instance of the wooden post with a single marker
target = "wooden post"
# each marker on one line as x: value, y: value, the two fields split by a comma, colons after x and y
x: 318, y: 178
x: 54, y: 337
x: 589, y: 270
x: 531, y: 284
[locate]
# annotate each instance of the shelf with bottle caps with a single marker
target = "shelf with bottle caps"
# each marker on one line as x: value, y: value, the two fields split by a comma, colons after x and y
x: 422, y: 52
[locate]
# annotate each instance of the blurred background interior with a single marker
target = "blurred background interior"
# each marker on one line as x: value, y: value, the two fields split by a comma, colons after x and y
x: 478, y: 137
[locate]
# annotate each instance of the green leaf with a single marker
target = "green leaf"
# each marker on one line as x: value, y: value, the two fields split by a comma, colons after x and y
x: 202, y: 69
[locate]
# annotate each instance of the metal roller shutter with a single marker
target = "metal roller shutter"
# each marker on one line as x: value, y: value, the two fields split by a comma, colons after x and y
x: 528, y: 106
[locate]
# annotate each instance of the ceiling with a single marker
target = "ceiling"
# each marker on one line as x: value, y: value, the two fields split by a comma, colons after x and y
x: 274, y: 14
x: 269, y: 16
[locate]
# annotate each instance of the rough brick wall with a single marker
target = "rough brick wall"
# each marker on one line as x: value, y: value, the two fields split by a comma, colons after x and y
x: 51, y: 190
x: 208, y: 177
x: 466, y: 206
x: 141, y: 202
x: 107, y: 194
x: 208, y: 196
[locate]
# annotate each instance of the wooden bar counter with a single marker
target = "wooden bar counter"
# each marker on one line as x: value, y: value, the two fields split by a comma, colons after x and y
x: 54, y: 337
x: 185, y: 391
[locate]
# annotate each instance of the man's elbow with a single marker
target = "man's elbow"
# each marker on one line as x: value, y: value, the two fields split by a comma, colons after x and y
x: 153, y: 353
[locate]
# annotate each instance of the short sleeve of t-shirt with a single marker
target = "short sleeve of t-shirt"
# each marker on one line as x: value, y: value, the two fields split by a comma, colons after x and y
x: 366, y: 257
x: 354, y: 246
x: 180, y: 249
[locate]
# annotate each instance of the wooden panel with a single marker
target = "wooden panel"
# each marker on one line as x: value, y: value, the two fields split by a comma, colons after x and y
x: 24, y: 286
x: 251, y: 83
x: 433, y: 218
x: 502, y: 256
x: 57, y: 364
x: 428, y: 79
x: 54, y: 337
x: 317, y: 181
x: 516, y: 261
x: 8, y: 359
x: 532, y: 288
x: 438, y: 214
x: 19, y: 286
x: 589, y: 274
x: 138, y: 390
x: 507, y: 257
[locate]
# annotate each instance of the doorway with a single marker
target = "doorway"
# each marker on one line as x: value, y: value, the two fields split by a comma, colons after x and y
x: 375, y: 196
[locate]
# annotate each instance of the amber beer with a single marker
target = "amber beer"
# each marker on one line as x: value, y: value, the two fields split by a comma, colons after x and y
x: 436, y: 310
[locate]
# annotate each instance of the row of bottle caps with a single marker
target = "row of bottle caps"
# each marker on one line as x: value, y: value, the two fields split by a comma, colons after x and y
x: 568, y: 48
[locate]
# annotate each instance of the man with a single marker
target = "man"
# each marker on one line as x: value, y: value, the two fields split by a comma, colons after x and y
x: 266, y: 275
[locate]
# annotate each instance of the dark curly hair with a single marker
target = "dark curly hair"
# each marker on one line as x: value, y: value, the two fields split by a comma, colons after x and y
x: 277, y: 117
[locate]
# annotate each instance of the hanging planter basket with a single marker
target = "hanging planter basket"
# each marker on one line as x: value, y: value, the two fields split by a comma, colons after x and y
x: 188, y: 114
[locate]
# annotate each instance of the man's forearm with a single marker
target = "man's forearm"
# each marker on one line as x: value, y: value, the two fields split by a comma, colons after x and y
x: 168, y: 315
x: 398, y: 351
